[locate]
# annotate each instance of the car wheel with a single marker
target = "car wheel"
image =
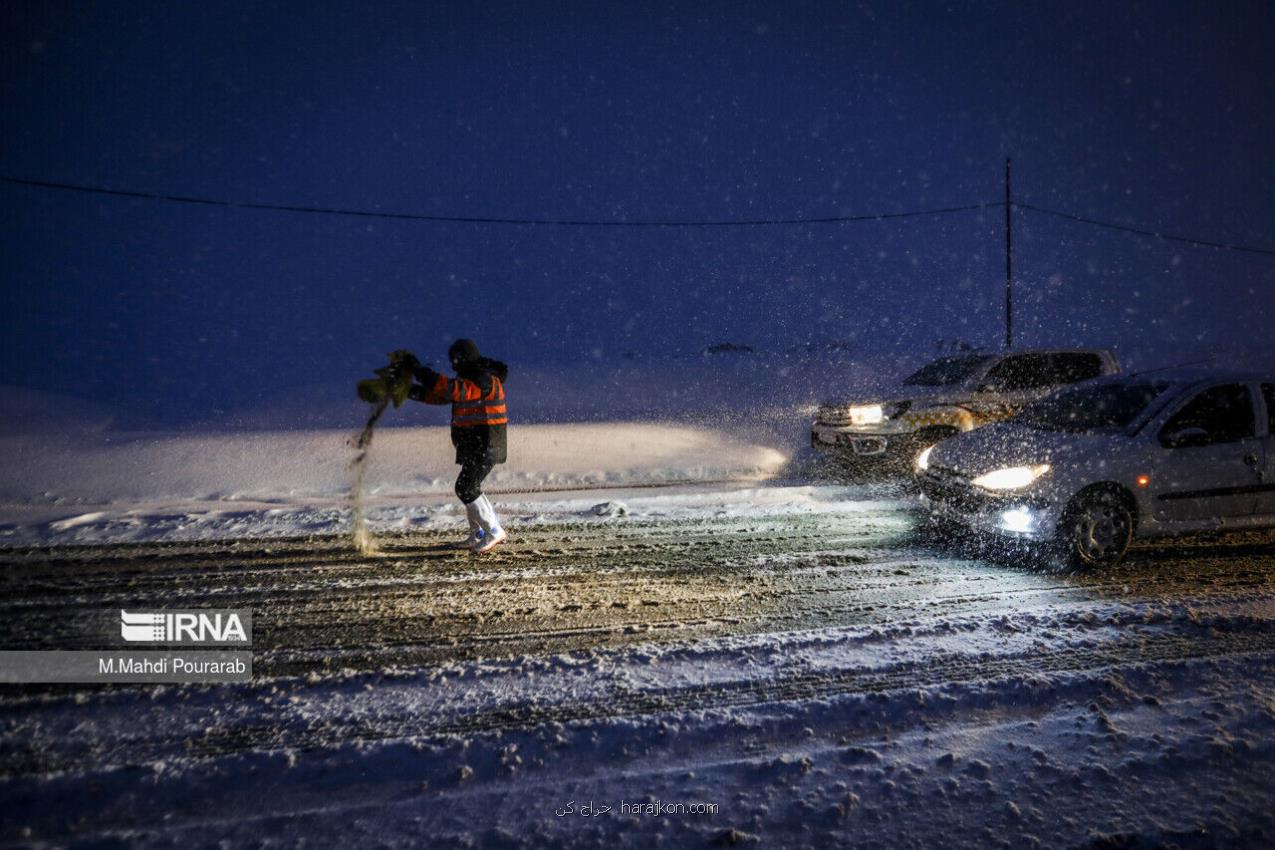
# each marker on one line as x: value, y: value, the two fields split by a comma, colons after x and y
x: 1098, y: 530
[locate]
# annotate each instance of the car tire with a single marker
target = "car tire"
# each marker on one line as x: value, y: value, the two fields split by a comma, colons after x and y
x: 1096, y: 531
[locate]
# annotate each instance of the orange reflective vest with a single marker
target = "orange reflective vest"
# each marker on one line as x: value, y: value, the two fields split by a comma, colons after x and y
x: 470, y: 407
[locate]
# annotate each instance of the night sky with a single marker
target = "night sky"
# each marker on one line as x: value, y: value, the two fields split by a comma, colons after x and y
x: 1158, y: 115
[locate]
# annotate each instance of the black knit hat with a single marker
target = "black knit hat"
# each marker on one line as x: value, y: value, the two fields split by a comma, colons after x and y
x: 463, y: 353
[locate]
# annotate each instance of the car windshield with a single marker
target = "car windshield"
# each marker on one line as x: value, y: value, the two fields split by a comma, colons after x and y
x: 945, y: 371
x: 1091, y: 408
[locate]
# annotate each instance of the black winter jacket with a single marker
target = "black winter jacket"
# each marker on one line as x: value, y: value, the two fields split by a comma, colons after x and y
x: 484, y: 440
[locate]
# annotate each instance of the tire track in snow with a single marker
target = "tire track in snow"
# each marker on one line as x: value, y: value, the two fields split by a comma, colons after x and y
x: 319, y: 605
x: 1155, y: 652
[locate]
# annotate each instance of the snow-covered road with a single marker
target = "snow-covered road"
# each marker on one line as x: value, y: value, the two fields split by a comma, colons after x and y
x: 811, y: 669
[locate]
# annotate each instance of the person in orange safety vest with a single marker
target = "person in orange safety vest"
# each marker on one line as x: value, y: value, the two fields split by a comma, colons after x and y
x: 479, y: 419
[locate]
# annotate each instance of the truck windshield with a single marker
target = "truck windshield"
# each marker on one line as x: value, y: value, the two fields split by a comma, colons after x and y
x: 945, y: 371
x: 1102, y: 407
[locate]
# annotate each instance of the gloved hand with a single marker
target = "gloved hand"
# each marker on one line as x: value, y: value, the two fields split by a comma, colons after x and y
x: 425, y: 375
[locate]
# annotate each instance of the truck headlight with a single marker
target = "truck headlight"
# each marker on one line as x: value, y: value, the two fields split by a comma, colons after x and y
x: 866, y: 414
x: 1010, y: 478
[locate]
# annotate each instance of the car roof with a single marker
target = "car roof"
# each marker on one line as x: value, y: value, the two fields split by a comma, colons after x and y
x: 1007, y: 352
x: 1081, y: 349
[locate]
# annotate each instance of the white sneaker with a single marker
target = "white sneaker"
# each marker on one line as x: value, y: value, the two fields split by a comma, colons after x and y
x: 493, y: 534
x: 490, y: 540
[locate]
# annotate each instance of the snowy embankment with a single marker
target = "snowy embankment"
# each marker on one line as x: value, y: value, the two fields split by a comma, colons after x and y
x: 113, y: 487
x: 78, y: 473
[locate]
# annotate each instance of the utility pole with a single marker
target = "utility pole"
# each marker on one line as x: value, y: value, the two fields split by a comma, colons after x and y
x: 1009, y: 262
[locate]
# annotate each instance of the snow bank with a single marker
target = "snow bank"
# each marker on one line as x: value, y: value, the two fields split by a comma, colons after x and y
x: 290, y: 464
x: 190, y: 520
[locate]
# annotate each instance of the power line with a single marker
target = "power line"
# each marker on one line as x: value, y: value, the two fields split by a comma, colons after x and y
x: 569, y: 222
x: 451, y: 219
x: 1144, y: 232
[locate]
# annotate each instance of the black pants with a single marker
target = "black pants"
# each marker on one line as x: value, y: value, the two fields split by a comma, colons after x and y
x: 469, y: 484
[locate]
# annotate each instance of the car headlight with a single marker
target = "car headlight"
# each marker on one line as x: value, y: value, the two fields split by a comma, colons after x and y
x: 1018, y: 519
x: 866, y: 414
x: 923, y: 459
x: 1010, y: 478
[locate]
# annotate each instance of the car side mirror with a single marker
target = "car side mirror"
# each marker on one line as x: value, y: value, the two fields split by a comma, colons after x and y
x: 1186, y: 437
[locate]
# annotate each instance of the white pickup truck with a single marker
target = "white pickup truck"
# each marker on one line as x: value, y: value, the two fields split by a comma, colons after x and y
x: 947, y: 397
